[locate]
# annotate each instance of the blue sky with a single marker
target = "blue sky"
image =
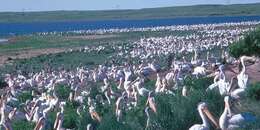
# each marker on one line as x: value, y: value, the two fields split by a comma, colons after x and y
x: 47, y: 5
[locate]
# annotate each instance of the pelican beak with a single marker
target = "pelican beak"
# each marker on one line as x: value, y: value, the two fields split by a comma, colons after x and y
x: 228, y: 107
x: 211, y: 117
x: 97, y: 117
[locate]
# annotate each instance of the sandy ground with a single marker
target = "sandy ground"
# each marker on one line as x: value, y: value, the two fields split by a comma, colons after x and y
x: 253, y: 71
x: 29, y: 53
x: 26, y: 54
x: 92, y: 37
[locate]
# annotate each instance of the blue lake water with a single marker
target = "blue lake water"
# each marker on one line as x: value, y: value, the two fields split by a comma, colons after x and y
x: 9, y: 29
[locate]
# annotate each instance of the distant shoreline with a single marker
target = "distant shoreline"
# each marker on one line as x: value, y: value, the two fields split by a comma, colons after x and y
x: 139, y: 14
x: 13, y: 29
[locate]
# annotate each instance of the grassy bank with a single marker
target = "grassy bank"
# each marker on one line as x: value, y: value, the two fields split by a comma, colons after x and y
x: 31, y: 42
x: 151, y: 13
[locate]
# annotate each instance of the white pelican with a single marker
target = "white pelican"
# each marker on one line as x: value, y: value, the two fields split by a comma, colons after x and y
x: 184, y: 91
x: 204, y: 113
x: 236, y: 93
x: 221, y: 84
x: 199, y: 71
x: 5, y: 121
x: 227, y: 121
x: 242, y: 77
x: 148, y: 121
x: 120, y: 104
x: 42, y: 123
x: 90, y: 127
x: 59, y: 118
x: 151, y: 102
x: 138, y: 84
x: 94, y: 115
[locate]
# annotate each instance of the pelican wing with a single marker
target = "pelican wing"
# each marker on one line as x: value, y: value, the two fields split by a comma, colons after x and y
x: 198, y: 127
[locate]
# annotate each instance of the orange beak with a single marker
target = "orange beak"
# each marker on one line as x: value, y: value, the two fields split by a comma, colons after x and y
x: 152, y: 106
x: 211, y: 117
x: 96, y: 116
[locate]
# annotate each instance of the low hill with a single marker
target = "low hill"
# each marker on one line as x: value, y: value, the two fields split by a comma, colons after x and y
x: 149, y: 13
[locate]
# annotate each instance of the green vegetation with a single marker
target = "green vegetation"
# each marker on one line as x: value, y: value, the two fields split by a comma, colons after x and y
x: 22, y: 125
x: 250, y: 45
x: 68, y: 60
x: 253, y: 91
x: 32, y: 42
x: 23, y: 97
x: 150, y: 13
x: 174, y: 111
x: 62, y: 92
x: 3, y: 84
x: 56, y: 61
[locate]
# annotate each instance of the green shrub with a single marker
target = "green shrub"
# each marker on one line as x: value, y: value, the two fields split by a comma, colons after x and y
x: 250, y: 45
x: 3, y: 84
x: 253, y: 91
x: 109, y: 122
x: 198, y: 84
x: 62, y: 91
x: 70, y: 116
x: 84, y: 120
x: 22, y: 125
x: 25, y: 96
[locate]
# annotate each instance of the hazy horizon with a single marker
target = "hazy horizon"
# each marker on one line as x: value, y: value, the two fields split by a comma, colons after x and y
x: 84, y: 5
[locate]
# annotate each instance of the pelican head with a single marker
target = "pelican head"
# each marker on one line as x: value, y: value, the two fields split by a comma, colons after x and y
x: 151, y: 94
x: 249, y: 58
x: 203, y: 107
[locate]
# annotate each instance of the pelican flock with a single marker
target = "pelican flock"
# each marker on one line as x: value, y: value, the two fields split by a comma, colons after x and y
x: 122, y: 87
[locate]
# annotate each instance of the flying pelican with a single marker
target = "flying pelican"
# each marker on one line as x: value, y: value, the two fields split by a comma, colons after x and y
x: 228, y: 121
x: 204, y: 113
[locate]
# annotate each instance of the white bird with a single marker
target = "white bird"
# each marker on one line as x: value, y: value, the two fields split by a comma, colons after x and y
x: 227, y: 121
x: 59, y: 118
x: 141, y: 90
x: 236, y: 93
x: 222, y: 86
x: 205, y: 115
x: 242, y: 77
x: 199, y: 70
x: 184, y: 91
x: 148, y: 121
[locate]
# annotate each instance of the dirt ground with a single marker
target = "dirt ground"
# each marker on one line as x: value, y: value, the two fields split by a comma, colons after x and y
x: 253, y: 71
x: 29, y: 53
x: 26, y: 54
x: 92, y: 37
